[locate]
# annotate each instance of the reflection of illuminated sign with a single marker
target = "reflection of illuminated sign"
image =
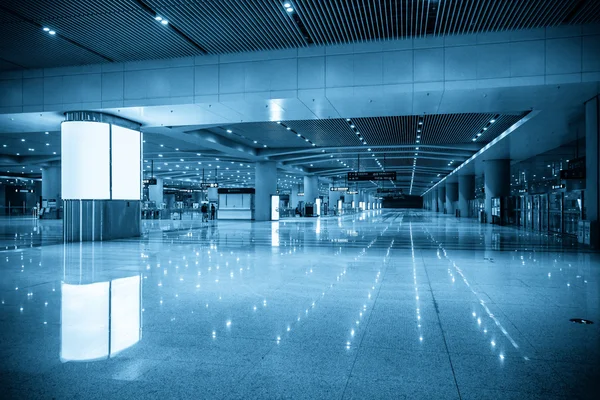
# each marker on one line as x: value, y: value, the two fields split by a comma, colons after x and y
x: 100, y: 319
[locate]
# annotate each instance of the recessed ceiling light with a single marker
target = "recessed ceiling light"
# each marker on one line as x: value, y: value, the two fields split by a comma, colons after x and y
x: 22, y: 140
x: 158, y: 18
x: 52, y: 32
x: 47, y: 144
x: 492, y: 121
x: 229, y: 131
x: 289, y: 9
x: 46, y: 29
x: 164, y: 22
x: 264, y: 145
x: 255, y: 142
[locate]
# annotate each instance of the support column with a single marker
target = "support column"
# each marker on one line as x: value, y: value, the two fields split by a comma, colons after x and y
x: 466, y: 192
x: 592, y: 174
x: 156, y: 192
x: 266, y: 185
x: 441, y: 198
x: 101, y: 179
x: 51, y: 190
x: 497, y: 182
x: 311, y: 188
x: 333, y: 198
x: 294, y: 197
x: 451, y: 197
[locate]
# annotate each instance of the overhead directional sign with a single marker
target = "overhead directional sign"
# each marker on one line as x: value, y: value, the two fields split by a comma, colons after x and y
x: 352, y: 192
x: 392, y: 190
x: 372, y: 176
x: 150, y: 181
x: 338, y: 189
x: 209, y: 185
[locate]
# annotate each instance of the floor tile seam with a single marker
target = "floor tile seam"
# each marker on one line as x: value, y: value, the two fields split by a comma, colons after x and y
x: 442, y: 329
x: 358, y: 347
x: 509, y: 319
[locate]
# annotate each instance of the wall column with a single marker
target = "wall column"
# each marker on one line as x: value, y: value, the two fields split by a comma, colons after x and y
x: 497, y: 182
x: 441, y: 196
x: 294, y: 197
x: 466, y: 192
x: 333, y: 197
x: 156, y: 192
x: 266, y: 185
x: 451, y: 197
x: 592, y: 155
x: 311, y: 188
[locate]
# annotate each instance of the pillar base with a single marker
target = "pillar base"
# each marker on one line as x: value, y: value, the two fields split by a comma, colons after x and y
x: 98, y: 220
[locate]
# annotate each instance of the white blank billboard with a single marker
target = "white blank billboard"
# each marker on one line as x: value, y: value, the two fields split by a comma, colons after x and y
x: 85, y: 160
x: 100, y: 161
x: 126, y: 167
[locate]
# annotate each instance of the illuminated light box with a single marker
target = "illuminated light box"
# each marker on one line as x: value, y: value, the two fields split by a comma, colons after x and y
x: 100, y: 161
x: 85, y: 160
x: 89, y: 319
x: 125, y: 162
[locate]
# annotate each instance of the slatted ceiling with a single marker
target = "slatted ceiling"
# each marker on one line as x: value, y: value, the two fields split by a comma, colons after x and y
x: 228, y: 26
x: 136, y: 33
x: 50, y: 10
x: 332, y: 21
x: 233, y: 26
x: 19, y: 40
x: 326, y: 132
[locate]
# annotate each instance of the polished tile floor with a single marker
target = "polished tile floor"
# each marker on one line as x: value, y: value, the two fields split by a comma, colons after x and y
x: 383, y: 304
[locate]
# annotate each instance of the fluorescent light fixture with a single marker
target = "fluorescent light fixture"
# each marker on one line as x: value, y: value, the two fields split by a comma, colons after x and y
x: 46, y: 29
x: 52, y: 32
x: 164, y: 22
x: 158, y: 18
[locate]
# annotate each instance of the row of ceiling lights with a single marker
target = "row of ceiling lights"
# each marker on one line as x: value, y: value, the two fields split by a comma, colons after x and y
x: 30, y: 148
x: 355, y: 130
x: 485, y: 128
x: 244, y: 137
x: 307, y: 140
x: 417, y: 142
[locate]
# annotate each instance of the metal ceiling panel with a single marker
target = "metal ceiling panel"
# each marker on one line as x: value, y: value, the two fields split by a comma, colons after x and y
x: 125, y: 30
x: 23, y: 45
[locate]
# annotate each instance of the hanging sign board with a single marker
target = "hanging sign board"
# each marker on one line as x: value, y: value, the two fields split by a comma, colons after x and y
x: 150, y: 181
x: 236, y: 191
x: 209, y: 185
x: 338, y: 189
x: 372, y: 176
